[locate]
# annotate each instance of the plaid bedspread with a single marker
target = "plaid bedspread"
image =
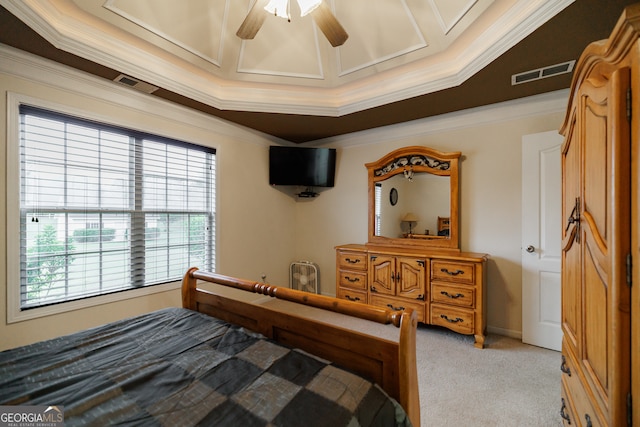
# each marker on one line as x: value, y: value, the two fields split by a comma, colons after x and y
x: 177, y: 367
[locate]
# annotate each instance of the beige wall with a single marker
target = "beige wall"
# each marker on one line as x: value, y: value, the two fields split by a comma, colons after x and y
x: 260, y: 230
x: 490, y: 192
x: 254, y: 231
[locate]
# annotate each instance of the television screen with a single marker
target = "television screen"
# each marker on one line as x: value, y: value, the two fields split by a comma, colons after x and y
x: 303, y: 166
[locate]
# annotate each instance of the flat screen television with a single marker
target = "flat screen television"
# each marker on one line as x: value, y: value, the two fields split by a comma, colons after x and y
x: 302, y: 166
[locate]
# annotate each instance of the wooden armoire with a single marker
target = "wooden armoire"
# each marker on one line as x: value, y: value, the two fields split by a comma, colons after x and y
x: 600, y: 257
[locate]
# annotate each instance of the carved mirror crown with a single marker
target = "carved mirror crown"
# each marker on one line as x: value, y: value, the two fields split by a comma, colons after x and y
x: 413, y: 199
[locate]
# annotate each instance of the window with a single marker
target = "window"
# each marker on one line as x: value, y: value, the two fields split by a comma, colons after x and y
x: 105, y: 209
x: 378, y: 208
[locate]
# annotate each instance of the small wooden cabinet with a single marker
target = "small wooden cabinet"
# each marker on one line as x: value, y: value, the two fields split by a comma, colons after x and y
x: 398, y: 282
x: 446, y: 289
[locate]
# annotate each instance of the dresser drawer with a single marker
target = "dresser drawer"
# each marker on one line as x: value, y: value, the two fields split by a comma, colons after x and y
x: 399, y: 304
x: 353, y: 279
x: 456, y: 319
x: 452, y: 271
x: 352, y: 295
x: 574, y: 413
x: 566, y: 409
x: 576, y: 395
x: 445, y: 293
x: 352, y: 260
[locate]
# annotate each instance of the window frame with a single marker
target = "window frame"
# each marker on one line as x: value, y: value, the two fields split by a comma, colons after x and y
x: 13, y: 173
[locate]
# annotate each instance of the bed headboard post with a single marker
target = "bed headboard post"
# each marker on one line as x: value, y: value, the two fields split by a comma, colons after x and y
x: 409, y: 396
x: 189, y: 289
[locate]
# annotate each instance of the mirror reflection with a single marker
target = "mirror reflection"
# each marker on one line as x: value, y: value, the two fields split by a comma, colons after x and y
x: 422, y: 209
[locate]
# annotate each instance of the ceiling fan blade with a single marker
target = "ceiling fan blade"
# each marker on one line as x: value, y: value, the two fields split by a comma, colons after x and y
x: 253, y: 21
x: 329, y: 25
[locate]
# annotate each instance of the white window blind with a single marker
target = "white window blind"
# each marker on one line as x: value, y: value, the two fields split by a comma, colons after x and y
x: 105, y: 209
x: 378, y: 207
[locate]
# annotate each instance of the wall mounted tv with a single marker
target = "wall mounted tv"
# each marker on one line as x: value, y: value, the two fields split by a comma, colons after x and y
x: 302, y: 166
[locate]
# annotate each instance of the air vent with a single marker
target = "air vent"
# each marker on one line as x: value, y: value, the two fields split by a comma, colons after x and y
x: 541, y: 73
x: 135, y: 83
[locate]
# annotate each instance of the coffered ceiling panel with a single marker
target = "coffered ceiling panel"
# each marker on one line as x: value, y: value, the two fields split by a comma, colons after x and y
x: 196, y: 27
x: 450, y: 12
x: 379, y: 30
x: 271, y: 52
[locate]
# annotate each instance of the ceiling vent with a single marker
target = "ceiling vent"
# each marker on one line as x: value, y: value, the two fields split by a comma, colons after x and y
x: 541, y: 73
x: 135, y: 83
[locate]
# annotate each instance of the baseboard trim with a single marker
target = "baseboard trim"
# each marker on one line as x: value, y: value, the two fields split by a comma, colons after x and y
x: 505, y: 332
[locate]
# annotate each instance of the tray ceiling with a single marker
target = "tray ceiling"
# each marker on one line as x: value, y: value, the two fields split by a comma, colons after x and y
x: 397, y: 52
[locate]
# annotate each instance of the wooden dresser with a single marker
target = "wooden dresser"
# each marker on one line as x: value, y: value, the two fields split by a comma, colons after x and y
x: 444, y: 288
x: 600, y: 205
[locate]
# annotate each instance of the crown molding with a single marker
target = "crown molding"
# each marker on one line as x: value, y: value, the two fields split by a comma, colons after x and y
x: 42, y: 71
x: 69, y: 28
x: 532, y: 106
x: 32, y: 68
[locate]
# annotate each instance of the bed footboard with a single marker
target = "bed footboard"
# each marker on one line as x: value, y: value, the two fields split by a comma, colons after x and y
x: 391, y: 363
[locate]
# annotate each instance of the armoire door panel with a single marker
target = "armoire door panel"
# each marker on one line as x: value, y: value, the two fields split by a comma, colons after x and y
x: 571, y: 306
x: 597, y: 248
x: 596, y: 165
x: 571, y: 207
x: 595, y: 265
x: 596, y: 325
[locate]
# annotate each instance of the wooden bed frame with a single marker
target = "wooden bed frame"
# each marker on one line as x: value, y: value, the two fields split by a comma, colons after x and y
x: 390, y: 363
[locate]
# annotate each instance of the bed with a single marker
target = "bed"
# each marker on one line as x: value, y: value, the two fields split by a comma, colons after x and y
x: 237, y: 353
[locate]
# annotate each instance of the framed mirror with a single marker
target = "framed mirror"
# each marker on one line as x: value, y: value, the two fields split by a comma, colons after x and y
x: 425, y: 212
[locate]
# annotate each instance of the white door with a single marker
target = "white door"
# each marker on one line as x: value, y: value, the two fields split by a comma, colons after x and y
x: 541, y: 239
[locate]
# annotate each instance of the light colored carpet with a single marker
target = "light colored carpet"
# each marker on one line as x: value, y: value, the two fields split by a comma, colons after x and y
x: 507, y: 383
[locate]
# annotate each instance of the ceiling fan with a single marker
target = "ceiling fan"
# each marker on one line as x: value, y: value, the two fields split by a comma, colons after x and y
x: 318, y: 9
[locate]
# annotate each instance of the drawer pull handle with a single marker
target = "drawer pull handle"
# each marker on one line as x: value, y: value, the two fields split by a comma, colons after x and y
x: 452, y: 273
x: 352, y: 298
x: 448, y: 295
x: 588, y: 420
x: 349, y: 279
x: 456, y: 320
x: 563, y: 413
x: 395, y: 308
x: 352, y: 261
x: 373, y: 289
x: 564, y: 368
x: 421, y: 297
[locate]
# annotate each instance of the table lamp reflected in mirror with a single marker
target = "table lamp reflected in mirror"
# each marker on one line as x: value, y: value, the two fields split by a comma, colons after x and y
x: 411, y: 219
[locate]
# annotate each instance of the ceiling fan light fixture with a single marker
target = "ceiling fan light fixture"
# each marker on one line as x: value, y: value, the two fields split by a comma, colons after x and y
x: 278, y: 8
x: 308, y: 6
x: 318, y: 9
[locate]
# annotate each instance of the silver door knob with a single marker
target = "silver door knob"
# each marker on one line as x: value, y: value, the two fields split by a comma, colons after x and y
x: 530, y: 249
